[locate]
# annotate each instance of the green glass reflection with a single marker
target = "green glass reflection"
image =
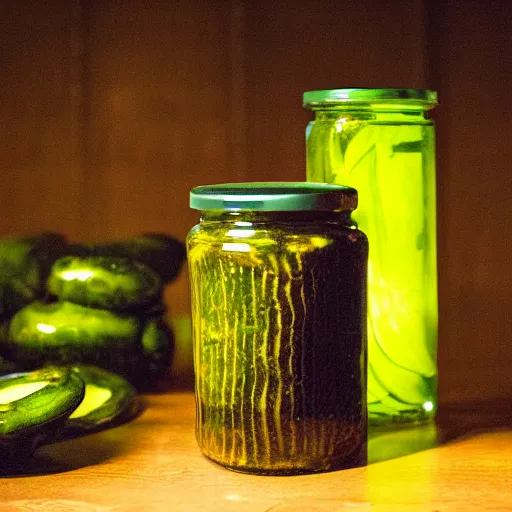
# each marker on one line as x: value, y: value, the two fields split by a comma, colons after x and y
x: 385, y: 443
x: 388, y: 156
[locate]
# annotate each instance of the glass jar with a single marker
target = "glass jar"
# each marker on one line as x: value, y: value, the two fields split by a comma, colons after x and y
x: 381, y: 142
x: 278, y: 284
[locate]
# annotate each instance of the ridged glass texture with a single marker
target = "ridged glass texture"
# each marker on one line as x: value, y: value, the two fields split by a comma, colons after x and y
x: 278, y: 311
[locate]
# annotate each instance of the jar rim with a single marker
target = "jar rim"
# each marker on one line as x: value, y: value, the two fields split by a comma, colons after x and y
x: 399, y: 99
x: 274, y: 196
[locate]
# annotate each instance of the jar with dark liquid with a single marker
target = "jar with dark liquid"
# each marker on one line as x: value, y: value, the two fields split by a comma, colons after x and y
x: 278, y: 285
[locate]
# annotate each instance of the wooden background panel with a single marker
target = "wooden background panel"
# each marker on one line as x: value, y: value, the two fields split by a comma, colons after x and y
x: 159, y: 95
x: 471, y: 68
x: 40, y: 178
x: 159, y: 86
x: 294, y: 47
x: 112, y: 111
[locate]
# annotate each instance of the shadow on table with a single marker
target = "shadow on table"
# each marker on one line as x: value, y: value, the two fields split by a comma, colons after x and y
x: 62, y: 457
x: 453, y: 422
x: 73, y: 453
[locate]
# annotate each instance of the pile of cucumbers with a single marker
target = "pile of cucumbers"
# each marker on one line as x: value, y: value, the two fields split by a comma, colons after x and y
x: 82, y: 330
x: 96, y: 304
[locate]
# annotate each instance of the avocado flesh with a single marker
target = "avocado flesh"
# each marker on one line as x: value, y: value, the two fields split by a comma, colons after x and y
x: 34, y: 407
x: 18, y: 391
x: 109, y: 400
x: 95, y: 397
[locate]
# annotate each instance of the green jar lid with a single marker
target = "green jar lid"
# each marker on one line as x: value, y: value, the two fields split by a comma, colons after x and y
x: 404, y: 98
x: 274, y: 197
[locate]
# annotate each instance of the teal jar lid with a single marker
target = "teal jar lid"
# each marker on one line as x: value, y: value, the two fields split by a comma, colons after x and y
x: 274, y: 196
x: 406, y: 98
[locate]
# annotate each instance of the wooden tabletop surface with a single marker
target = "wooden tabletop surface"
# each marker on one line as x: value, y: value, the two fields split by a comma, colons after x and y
x: 153, y: 463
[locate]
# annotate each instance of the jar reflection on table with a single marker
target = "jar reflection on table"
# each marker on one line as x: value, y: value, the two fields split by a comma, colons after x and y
x: 381, y: 142
x: 278, y: 307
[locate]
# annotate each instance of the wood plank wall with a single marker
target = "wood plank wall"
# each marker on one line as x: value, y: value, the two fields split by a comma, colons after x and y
x: 110, y: 111
x: 470, y: 47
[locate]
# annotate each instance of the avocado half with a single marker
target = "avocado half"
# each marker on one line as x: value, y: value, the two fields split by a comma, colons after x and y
x: 109, y: 400
x: 33, y: 408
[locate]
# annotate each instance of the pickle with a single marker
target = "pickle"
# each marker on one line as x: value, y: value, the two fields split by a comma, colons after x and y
x: 15, y: 293
x: 104, y: 282
x: 7, y: 366
x: 33, y: 408
x: 64, y: 332
x: 162, y: 253
x: 109, y: 400
x: 24, y: 266
x: 157, y: 348
x: 46, y: 249
x: 19, y: 276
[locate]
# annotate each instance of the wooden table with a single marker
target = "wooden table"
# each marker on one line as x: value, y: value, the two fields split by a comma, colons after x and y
x: 153, y: 464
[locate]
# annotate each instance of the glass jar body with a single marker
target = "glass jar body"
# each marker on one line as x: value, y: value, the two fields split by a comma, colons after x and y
x: 389, y: 157
x: 279, y: 330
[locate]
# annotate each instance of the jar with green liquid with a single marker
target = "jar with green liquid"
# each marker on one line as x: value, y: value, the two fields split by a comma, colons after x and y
x: 381, y: 142
x: 278, y: 285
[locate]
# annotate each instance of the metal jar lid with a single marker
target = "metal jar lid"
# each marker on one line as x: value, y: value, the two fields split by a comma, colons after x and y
x: 274, y: 196
x: 405, y: 98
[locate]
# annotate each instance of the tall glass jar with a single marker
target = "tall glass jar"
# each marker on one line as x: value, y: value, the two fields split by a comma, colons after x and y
x: 278, y: 284
x: 381, y: 142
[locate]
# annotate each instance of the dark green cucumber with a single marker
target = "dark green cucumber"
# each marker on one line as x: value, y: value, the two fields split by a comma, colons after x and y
x: 33, y: 407
x: 15, y: 293
x: 19, y: 276
x: 67, y: 333
x: 109, y: 400
x: 163, y: 253
x: 158, y: 349
x: 7, y: 367
x: 64, y: 332
x: 104, y: 282
x: 24, y: 266
x: 47, y: 248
